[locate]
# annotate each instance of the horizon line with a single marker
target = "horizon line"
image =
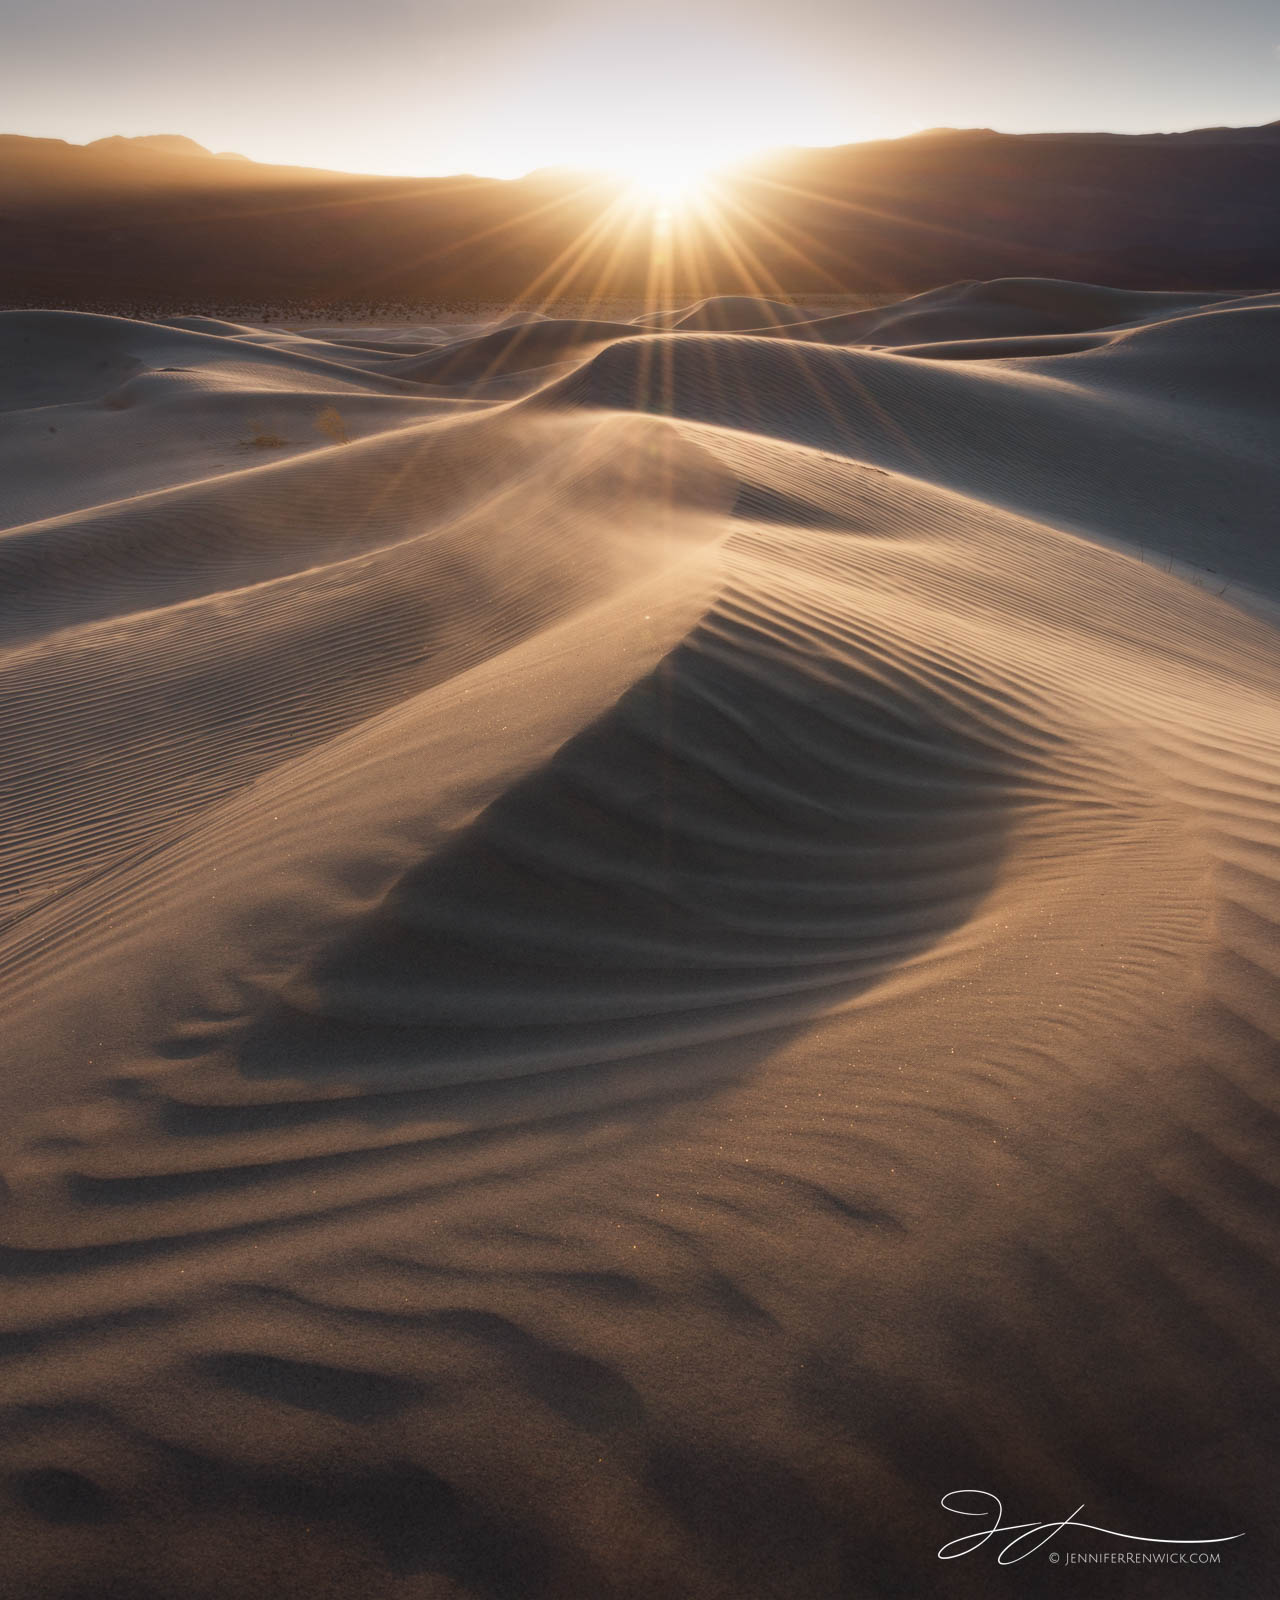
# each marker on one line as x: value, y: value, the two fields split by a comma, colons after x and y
x: 607, y: 172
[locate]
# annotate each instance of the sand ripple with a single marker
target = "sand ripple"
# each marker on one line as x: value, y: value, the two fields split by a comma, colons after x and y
x: 632, y: 950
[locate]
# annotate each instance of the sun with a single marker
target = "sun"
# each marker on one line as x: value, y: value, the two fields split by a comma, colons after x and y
x: 663, y: 179
x: 669, y: 188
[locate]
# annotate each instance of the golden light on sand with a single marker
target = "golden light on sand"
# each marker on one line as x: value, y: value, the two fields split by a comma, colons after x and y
x: 640, y: 900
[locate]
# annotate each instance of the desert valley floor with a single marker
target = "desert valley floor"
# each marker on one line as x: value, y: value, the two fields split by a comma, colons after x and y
x: 631, y: 950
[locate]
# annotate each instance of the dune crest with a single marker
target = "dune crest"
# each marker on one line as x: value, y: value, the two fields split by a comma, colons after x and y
x: 631, y: 949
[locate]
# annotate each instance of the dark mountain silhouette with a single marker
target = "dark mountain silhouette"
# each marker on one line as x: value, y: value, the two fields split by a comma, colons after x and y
x: 159, y: 222
x: 169, y: 144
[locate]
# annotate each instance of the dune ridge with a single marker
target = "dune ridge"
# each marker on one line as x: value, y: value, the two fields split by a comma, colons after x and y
x: 642, y: 955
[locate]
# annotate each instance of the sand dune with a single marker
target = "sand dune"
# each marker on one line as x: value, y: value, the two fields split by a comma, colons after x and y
x: 725, y: 314
x: 630, y: 952
x: 512, y: 347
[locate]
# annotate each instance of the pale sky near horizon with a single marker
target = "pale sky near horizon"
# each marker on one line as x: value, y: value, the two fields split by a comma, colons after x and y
x: 500, y: 87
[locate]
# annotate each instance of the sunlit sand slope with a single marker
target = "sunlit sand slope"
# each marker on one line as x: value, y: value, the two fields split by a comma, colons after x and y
x: 627, y: 953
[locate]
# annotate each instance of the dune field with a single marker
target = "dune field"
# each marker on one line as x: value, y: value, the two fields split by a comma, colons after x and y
x: 630, y: 950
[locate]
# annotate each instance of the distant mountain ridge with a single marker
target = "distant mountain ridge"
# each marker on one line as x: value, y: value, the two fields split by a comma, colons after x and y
x: 159, y: 221
x: 170, y: 144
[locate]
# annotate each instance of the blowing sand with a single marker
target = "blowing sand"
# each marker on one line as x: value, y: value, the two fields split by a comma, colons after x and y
x: 627, y: 956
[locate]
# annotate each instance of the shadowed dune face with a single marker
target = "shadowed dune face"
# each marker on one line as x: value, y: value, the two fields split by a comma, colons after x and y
x: 642, y: 956
x: 738, y: 840
x: 512, y: 349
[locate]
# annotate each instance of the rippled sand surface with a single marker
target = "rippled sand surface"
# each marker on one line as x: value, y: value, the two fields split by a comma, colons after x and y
x: 631, y: 949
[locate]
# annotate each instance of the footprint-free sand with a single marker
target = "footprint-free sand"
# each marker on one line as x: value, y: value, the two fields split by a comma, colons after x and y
x: 630, y: 949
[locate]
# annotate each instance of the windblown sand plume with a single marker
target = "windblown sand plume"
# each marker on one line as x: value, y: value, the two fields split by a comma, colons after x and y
x: 632, y: 950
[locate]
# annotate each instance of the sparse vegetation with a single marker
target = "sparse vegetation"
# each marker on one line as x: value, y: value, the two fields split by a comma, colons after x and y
x: 263, y: 438
x: 330, y: 422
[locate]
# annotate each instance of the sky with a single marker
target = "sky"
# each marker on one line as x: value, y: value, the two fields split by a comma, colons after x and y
x: 500, y: 87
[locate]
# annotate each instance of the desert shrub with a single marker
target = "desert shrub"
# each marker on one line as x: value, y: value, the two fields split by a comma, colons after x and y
x: 263, y: 438
x: 330, y: 422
